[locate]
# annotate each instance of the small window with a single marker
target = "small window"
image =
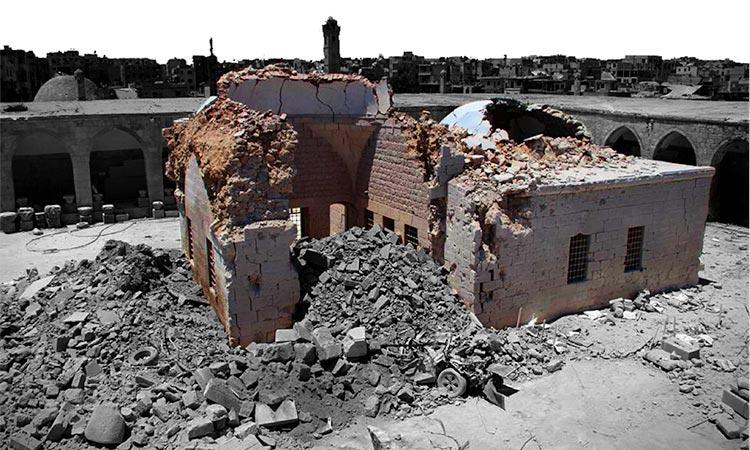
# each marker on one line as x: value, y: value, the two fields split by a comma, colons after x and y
x: 389, y: 224
x: 189, y: 238
x: 210, y: 263
x: 634, y: 252
x: 296, y: 217
x: 412, y: 235
x: 578, y: 258
x: 369, y: 219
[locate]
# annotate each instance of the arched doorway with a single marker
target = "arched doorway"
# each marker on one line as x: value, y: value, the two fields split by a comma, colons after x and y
x: 729, y: 188
x: 675, y: 148
x: 342, y: 217
x: 624, y: 141
x: 42, y: 170
x: 118, y: 171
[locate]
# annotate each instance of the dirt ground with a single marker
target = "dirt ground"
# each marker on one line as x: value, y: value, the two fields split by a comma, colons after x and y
x: 606, y: 395
x: 20, y: 251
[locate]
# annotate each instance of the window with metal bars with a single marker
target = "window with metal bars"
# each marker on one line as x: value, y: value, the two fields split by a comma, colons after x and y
x: 297, y: 218
x: 369, y: 219
x: 389, y: 224
x: 210, y: 263
x: 411, y: 235
x: 634, y: 249
x: 190, y: 247
x: 578, y: 258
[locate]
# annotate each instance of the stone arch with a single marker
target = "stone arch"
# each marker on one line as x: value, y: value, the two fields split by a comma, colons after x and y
x: 675, y: 147
x: 343, y: 215
x: 117, y: 166
x: 624, y: 140
x: 42, y: 169
x: 729, y: 187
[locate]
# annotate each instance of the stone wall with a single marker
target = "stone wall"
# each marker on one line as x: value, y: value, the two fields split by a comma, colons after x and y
x: 256, y: 287
x: 523, y: 269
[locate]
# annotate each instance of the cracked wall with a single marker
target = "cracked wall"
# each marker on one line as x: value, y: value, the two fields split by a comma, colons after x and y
x: 511, y: 214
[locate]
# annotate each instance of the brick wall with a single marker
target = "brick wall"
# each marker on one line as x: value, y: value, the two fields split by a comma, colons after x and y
x: 391, y: 184
x: 528, y: 269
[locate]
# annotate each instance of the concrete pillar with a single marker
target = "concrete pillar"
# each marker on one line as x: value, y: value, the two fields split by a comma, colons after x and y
x: 154, y: 174
x: 7, y: 192
x: 82, y: 179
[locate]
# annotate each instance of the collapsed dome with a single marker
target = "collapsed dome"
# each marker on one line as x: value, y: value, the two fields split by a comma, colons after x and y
x: 518, y: 119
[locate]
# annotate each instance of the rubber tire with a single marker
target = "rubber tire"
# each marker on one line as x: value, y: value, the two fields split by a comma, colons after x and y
x: 144, y: 356
x: 452, y: 382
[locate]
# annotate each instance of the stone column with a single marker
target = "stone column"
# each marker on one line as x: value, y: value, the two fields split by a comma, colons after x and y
x: 154, y: 174
x: 7, y: 192
x: 82, y: 179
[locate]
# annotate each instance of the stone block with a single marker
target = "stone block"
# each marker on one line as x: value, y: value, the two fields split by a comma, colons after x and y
x: 8, y: 222
x: 199, y: 427
x: 23, y: 441
x: 287, y: 335
x: 734, y: 401
x: 355, y: 343
x: 285, y: 414
x: 685, y: 350
x: 327, y: 347
x: 106, y: 425
x: 219, y: 392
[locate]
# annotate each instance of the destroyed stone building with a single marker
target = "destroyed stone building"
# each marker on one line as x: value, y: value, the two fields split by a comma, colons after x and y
x: 528, y: 217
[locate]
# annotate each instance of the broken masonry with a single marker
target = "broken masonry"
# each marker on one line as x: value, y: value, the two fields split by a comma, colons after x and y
x: 529, y: 218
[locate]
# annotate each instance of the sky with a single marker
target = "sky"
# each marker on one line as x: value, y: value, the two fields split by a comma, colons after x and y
x: 286, y: 29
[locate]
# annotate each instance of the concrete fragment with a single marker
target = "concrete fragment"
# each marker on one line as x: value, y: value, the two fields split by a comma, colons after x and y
x: 285, y: 414
x: 372, y: 406
x: 734, y: 401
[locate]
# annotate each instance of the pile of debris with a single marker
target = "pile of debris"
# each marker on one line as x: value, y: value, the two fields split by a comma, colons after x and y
x: 246, y: 159
x: 122, y: 349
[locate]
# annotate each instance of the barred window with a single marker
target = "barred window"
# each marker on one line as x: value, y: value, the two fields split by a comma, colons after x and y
x: 389, y: 224
x: 578, y: 258
x: 189, y: 237
x: 295, y: 216
x: 634, y: 249
x: 369, y: 219
x: 411, y: 235
x: 210, y: 263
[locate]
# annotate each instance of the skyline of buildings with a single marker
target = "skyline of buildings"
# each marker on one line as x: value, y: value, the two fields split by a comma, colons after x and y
x: 23, y: 73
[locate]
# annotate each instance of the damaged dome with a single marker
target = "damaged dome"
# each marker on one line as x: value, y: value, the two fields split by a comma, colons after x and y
x: 488, y: 122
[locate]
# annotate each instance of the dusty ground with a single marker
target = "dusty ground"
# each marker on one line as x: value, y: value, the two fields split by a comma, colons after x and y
x: 20, y: 251
x: 606, y: 396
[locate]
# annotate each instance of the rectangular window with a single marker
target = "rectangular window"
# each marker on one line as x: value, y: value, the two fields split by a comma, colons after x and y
x: 189, y: 237
x: 369, y: 219
x: 411, y: 235
x: 578, y: 258
x: 296, y: 217
x: 210, y: 263
x: 634, y: 250
x: 389, y: 224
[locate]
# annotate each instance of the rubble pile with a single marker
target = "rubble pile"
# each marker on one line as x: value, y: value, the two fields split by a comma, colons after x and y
x: 122, y: 349
x: 246, y: 158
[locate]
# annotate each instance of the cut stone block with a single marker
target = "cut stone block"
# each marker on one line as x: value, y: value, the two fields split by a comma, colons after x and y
x: 327, y: 347
x: 737, y: 403
x: 219, y: 392
x: 685, y: 350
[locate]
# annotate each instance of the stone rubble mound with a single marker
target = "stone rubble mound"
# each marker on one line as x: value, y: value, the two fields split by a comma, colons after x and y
x: 123, y: 350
